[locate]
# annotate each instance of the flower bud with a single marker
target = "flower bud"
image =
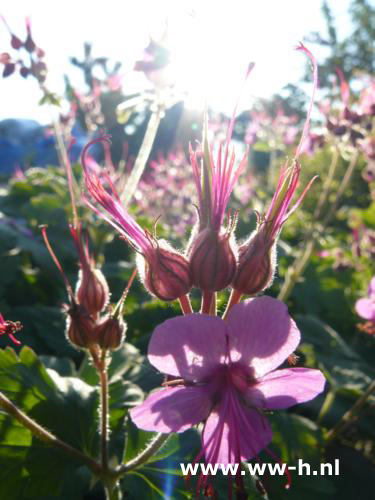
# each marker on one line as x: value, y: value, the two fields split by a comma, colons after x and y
x: 212, y: 260
x: 92, y: 290
x: 80, y: 326
x: 167, y: 273
x: 8, y: 69
x: 110, y: 332
x: 15, y: 42
x: 256, y: 264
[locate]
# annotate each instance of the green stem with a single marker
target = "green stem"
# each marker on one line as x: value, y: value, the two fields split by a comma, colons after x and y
x: 46, y: 436
x: 143, y: 457
x: 104, y: 410
x: 300, y: 264
x: 351, y: 414
x: 113, y: 490
x: 142, y: 157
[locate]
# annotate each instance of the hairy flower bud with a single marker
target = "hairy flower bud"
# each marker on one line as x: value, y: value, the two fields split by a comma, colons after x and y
x: 110, y: 332
x: 92, y: 290
x: 212, y: 260
x: 167, y: 273
x: 256, y: 264
x: 80, y: 326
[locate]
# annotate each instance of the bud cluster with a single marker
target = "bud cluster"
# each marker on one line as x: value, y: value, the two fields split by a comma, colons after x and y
x: 35, y: 66
x: 90, y: 322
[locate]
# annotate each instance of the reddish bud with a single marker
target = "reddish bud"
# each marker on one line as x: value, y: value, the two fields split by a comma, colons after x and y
x: 256, y: 264
x: 4, y: 58
x: 24, y: 72
x: 80, y: 327
x: 212, y: 260
x: 30, y: 44
x: 167, y: 274
x: 110, y: 332
x: 40, y: 53
x: 92, y: 290
x: 8, y: 69
x: 15, y: 42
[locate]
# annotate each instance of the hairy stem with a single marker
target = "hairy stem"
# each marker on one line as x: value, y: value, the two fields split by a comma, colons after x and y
x: 147, y: 453
x: 207, y: 298
x: 142, y: 157
x: 234, y: 299
x: 47, y: 437
x: 185, y: 304
x: 104, y: 410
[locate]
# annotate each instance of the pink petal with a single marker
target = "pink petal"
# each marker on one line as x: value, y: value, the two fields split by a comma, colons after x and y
x: 285, y: 388
x: 172, y: 409
x: 366, y: 309
x: 234, y: 433
x: 190, y: 346
x: 262, y: 334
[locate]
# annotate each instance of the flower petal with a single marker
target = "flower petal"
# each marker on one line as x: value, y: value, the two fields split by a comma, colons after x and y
x: 190, y: 346
x: 284, y: 388
x: 261, y: 334
x: 234, y: 433
x: 172, y: 410
x: 366, y: 308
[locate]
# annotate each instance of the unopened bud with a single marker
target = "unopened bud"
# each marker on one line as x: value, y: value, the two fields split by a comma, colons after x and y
x: 24, y: 72
x: 30, y: 44
x: 15, y: 42
x: 212, y: 260
x: 110, y: 332
x: 167, y: 274
x: 92, y: 290
x: 80, y: 327
x: 256, y: 265
x: 8, y: 69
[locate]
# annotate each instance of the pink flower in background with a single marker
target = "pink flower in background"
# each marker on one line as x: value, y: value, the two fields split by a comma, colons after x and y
x: 365, y: 307
x: 226, y: 376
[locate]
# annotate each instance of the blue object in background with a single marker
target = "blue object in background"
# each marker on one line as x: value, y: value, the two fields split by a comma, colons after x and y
x: 26, y: 143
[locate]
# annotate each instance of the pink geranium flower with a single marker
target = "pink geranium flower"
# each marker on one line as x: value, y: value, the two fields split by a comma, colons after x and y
x: 365, y: 307
x: 226, y: 376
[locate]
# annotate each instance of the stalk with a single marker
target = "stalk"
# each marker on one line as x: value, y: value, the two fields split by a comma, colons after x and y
x: 142, y: 157
x: 143, y: 457
x: 104, y: 410
x: 185, y: 304
x: 234, y: 299
x: 47, y: 437
x: 207, y: 299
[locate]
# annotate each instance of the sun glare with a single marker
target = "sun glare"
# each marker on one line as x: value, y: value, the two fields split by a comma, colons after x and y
x: 211, y: 45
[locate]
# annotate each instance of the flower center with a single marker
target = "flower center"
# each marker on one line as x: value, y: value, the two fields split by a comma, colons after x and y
x: 233, y: 375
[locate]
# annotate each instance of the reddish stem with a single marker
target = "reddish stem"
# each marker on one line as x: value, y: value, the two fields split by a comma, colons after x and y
x: 185, y: 304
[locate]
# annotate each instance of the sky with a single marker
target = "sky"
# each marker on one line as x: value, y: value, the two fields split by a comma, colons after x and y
x: 212, y: 43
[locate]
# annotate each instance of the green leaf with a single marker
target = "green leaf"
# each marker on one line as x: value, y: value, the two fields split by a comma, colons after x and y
x: 161, y: 476
x: 66, y: 406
